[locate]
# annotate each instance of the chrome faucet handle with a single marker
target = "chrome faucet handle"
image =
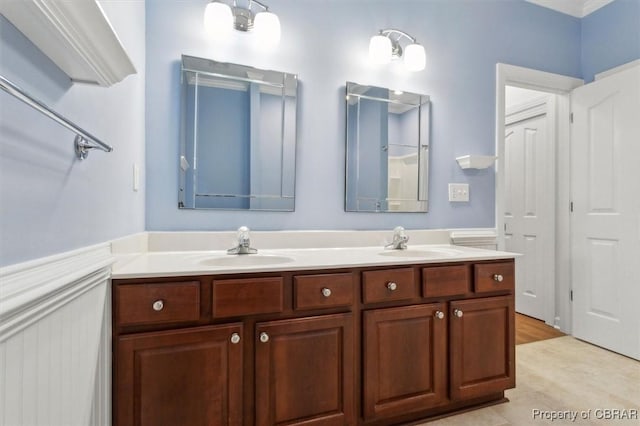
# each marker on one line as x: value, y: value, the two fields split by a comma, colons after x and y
x: 400, y: 239
x: 243, y: 243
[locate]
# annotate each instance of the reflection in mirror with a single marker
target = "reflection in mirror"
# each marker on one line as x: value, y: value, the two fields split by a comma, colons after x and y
x: 238, y: 137
x: 387, y: 150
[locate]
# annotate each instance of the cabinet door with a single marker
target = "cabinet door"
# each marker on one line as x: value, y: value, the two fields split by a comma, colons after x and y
x: 482, y: 348
x: 180, y: 377
x: 405, y: 359
x: 305, y: 371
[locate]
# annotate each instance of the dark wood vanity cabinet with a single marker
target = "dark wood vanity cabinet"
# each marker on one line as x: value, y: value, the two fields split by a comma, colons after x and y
x: 365, y: 346
x: 180, y: 377
x: 304, y: 371
x: 482, y: 347
x: 404, y: 360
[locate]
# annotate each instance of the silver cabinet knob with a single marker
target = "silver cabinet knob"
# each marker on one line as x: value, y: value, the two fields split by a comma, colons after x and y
x: 499, y: 278
x: 235, y: 338
x: 439, y: 314
x: 158, y: 305
x: 458, y: 313
x: 264, y: 337
x: 392, y: 286
x: 326, y: 292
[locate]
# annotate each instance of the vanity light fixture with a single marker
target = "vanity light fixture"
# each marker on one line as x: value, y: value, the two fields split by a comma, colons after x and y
x: 220, y: 18
x: 385, y: 46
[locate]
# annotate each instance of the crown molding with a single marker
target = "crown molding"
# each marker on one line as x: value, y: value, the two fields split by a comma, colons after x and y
x: 576, y: 8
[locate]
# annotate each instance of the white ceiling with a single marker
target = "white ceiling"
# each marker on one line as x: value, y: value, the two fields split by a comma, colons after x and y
x: 577, y: 8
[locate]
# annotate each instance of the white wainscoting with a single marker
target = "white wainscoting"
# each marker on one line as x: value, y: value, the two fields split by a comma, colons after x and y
x: 55, y: 350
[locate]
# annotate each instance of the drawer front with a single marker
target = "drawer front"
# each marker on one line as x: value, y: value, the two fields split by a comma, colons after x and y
x: 441, y: 281
x: 157, y: 303
x: 322, y: 291
x: 389, y: 284
x: 247, y: 296
x: 494, y: 277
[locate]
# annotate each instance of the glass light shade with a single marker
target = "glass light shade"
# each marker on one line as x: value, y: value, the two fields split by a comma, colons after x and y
x: 218, y: 20
x: 266, y: 27
x: 415, y: 58
x: 380, y: 50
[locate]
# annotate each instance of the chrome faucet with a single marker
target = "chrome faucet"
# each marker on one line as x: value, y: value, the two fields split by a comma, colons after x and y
x: 400, y: 239
x: 244, y: 243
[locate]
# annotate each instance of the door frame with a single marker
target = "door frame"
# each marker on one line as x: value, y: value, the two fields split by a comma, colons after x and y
x: 511, y: 75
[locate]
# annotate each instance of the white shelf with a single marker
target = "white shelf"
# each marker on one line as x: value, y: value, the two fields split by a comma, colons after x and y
x: 75, y: 35
x: 476, y: 161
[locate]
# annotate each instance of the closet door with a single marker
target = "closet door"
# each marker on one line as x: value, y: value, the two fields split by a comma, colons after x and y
x: 529, y: 211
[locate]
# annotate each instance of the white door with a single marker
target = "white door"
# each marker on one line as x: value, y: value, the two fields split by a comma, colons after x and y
x: 605, y: 181
x: 529, y: 210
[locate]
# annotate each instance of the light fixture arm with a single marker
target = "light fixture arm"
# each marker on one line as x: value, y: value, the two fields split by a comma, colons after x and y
x: 396, y: 49
x: 390, y: 31
x: 250, y: 4
x: 221, y: 16
x: 244, y: 15
x: 264, y: 6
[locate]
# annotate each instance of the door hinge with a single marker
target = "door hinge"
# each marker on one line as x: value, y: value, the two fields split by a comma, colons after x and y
x: 571, y: 295
x: 571, y: 206
x: 571, y: 117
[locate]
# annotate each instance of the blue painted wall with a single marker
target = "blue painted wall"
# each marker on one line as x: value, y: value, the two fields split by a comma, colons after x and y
x: 49, y: 201
x: 610, y: 37
x: 325, y: 43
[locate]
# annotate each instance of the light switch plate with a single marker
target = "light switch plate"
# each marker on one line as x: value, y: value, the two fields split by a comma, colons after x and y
x: 136, y: 177
x: 458, y: 192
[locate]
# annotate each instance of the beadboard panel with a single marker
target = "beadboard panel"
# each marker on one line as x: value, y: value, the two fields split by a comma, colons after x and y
x: 54, y: 357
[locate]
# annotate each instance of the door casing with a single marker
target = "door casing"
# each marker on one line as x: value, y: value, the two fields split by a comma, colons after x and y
x: 562, y: 86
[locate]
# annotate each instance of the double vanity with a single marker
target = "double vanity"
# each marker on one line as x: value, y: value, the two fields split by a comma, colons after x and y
x: 313, y: 336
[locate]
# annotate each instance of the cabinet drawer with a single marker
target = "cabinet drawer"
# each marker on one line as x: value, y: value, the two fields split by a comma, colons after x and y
x: 441, y: 281
x: 247, y: 296
x: 389, y: 284
x: 322, y: 291
x: 157, y: 303
x: 494, y: 277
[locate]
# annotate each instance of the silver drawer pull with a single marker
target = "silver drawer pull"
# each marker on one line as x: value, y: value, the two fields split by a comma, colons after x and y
x: 439, y: 314
x: 264, y: 337
x: 158, y: 305
x: 499, y: 278
x: 458, y: 313
x: 235, y: 338
x: 326, y: 292
x: 392, y: 286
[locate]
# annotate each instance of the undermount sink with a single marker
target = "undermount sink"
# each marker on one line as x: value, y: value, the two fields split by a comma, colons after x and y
x: 430, y: 253
x: 245, y: 260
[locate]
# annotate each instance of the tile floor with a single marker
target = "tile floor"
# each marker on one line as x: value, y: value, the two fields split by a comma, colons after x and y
x: 563, y: 374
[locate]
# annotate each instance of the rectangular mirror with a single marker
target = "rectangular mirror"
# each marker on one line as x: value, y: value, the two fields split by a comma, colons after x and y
x: 238, y: 137
x: 387, y: 150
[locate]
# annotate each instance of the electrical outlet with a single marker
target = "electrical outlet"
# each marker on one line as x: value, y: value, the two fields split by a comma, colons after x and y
x: 459, y: 192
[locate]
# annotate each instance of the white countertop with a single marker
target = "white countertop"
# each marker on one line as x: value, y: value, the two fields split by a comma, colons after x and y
x: 210, y: 262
